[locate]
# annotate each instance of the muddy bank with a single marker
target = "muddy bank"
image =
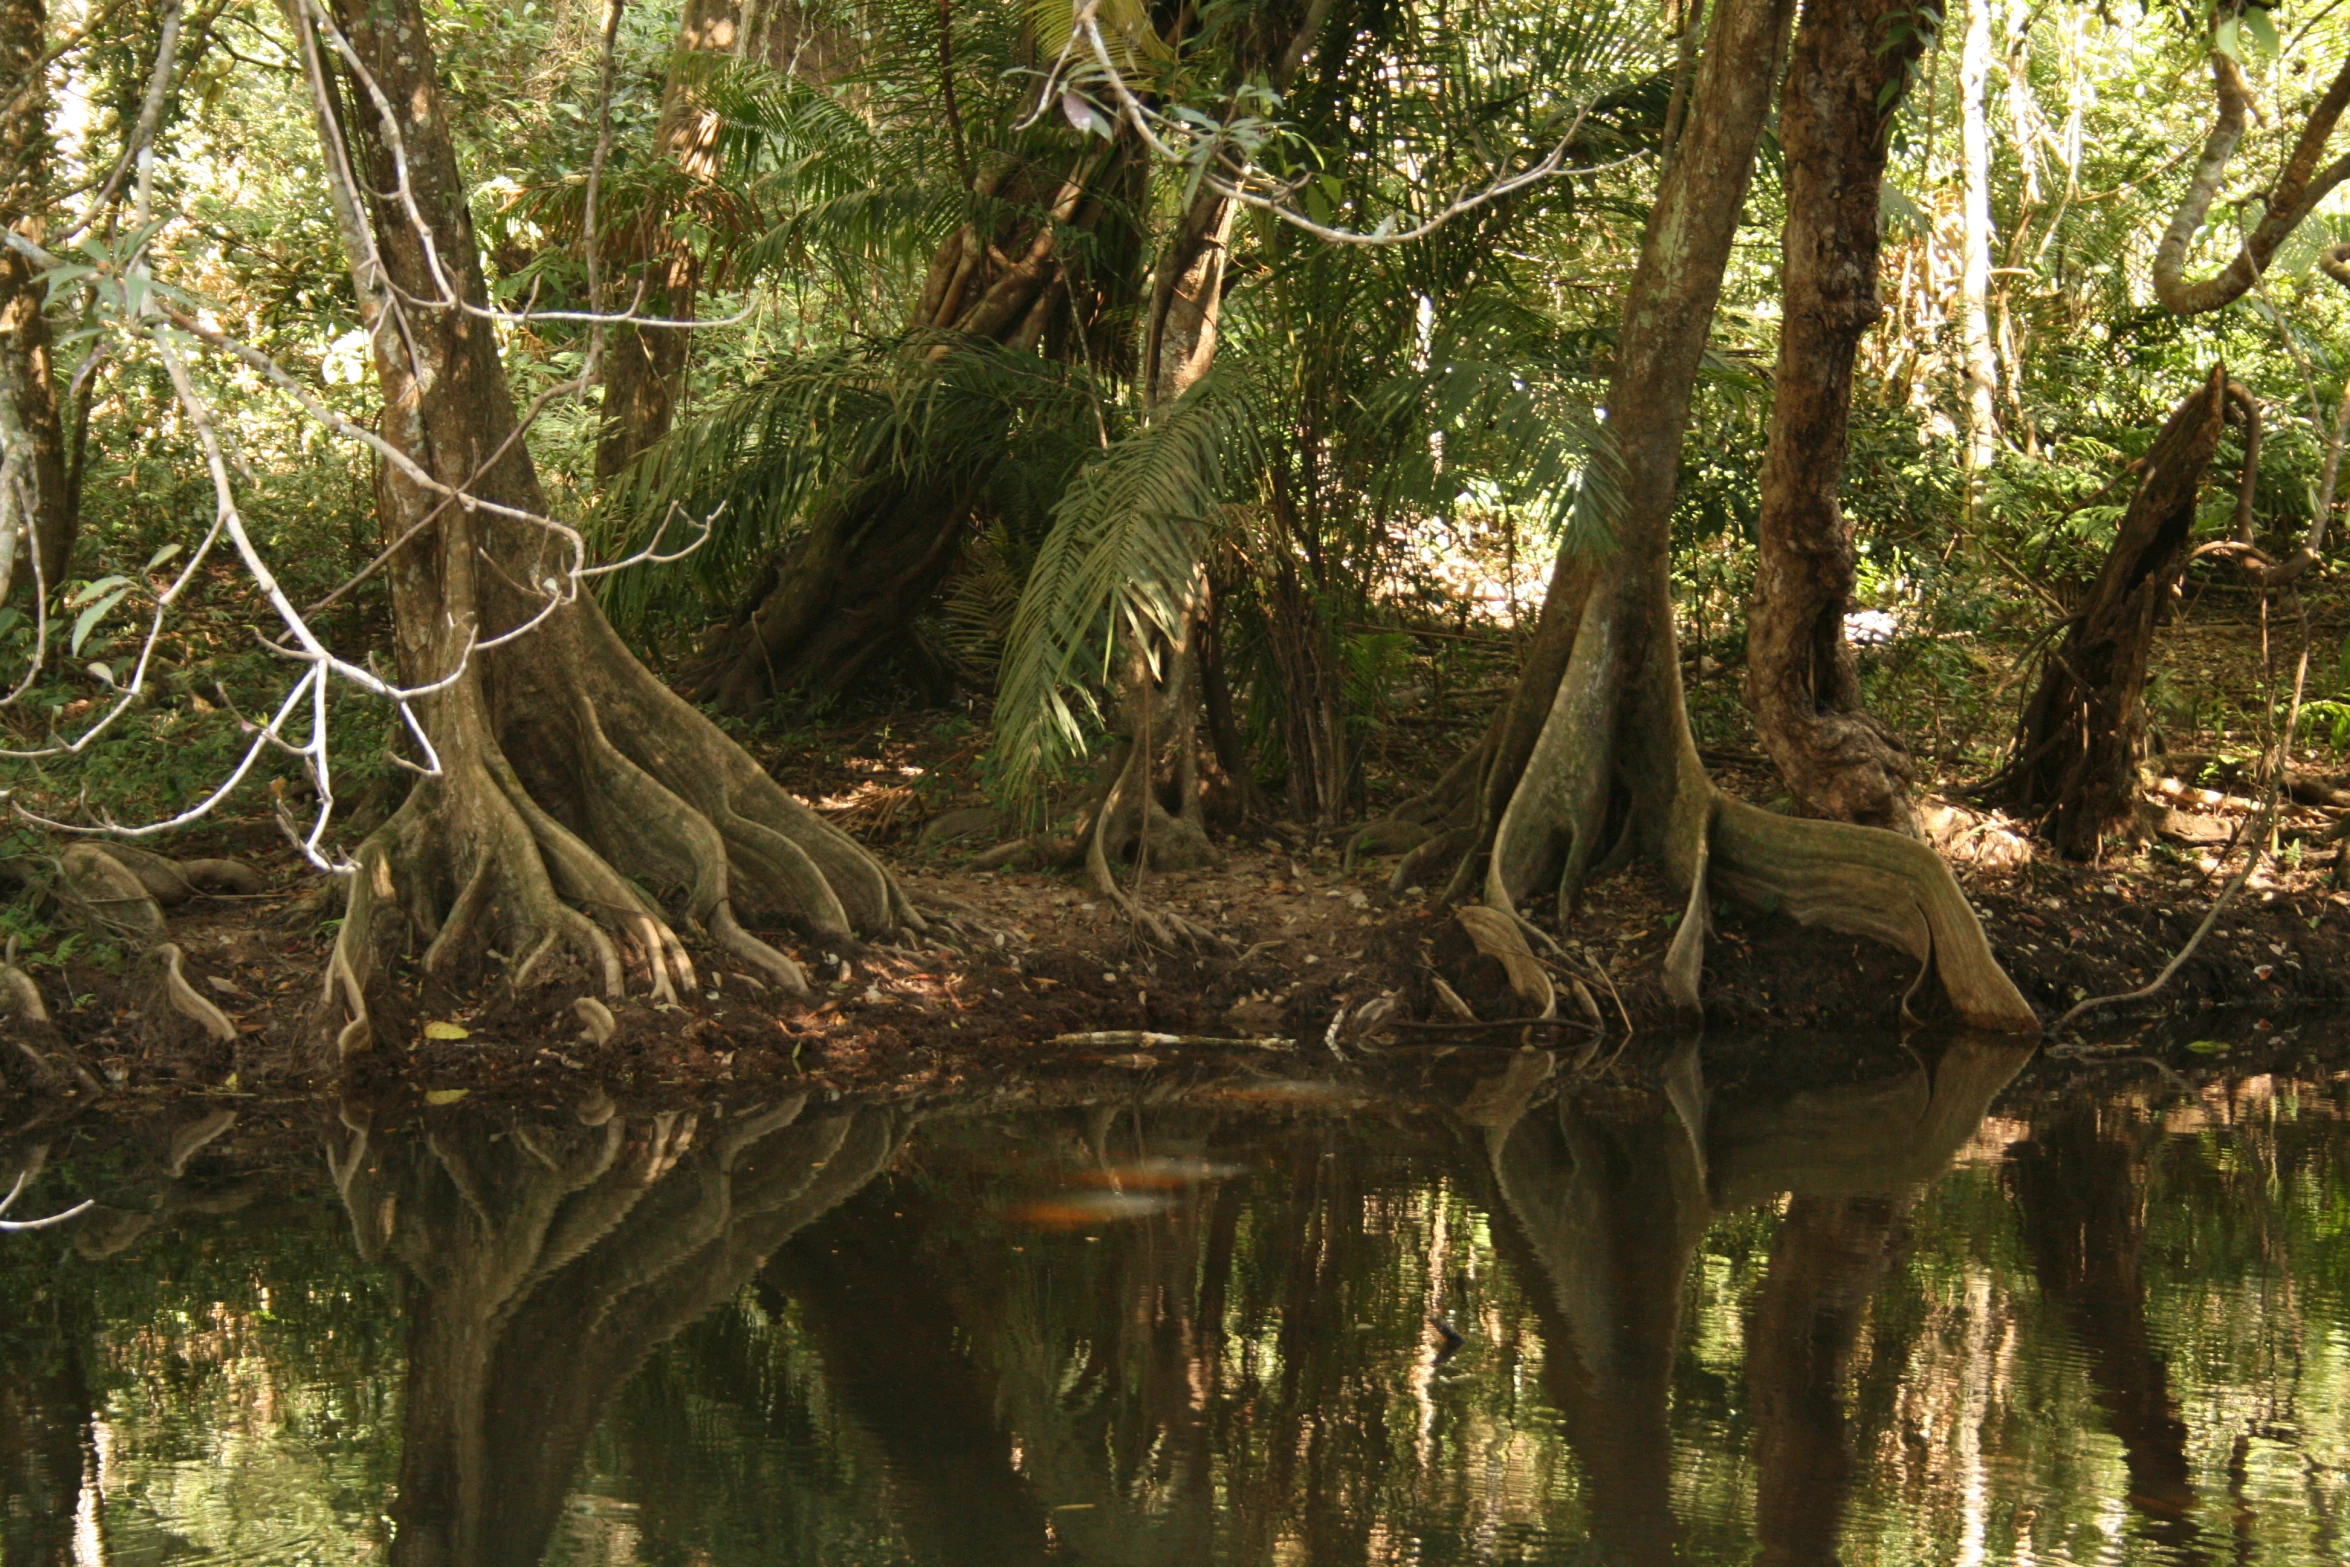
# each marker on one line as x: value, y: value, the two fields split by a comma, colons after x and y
x: 1307, y: 959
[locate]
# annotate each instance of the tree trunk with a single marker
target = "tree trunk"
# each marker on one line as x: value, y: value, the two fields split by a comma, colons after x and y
x: 1612, y: 761
x: 644, y: 366
x: 839, y: 595
x: 568, y: 778
x: 2076, y: 749
x: 1982, y: 370
x: 30, y: 427
x: 1834, y: 117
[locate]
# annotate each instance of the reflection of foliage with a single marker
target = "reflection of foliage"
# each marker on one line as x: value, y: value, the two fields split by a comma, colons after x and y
x: 1247, y: 1375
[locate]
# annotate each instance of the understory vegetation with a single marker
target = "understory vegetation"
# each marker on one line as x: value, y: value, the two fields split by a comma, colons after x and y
x: 1323, y: 418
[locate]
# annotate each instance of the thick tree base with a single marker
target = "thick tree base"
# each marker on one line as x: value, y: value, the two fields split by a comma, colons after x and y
x: 599, y: 819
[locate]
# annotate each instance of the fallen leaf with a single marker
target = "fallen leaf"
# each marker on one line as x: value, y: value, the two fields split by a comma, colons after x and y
x: 446, y: 1031
x: 446, y: 1096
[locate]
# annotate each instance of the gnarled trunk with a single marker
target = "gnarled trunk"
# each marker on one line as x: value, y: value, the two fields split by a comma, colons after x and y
x: 1834, y: 117
x: 579, y: 807
x: 30, y: 429
x: 2076, y: 749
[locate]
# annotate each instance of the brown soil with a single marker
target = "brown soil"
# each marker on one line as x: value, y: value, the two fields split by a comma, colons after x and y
x: 1304, y: 944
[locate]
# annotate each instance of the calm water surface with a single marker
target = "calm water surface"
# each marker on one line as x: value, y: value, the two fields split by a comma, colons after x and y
x: 1938, y: 1309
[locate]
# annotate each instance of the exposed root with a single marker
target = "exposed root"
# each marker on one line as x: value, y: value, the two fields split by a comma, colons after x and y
x: 1596, y: 779
x: 1496, y: 934
x: 19, y: 996
x: 1866, y: 881
x: 173, y: 882
x: 107, y: 896
x: 605, y: 819
x: 760, y: 956
x: 186, y: 999
x: 598, y: 1020
x: 1159, y: 927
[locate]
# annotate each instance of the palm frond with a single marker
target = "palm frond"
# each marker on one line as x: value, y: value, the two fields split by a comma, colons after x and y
x: 1122, y: 555
x: 930, y: 410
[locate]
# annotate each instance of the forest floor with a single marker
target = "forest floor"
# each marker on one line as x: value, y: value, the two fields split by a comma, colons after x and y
x: 1305, y: 944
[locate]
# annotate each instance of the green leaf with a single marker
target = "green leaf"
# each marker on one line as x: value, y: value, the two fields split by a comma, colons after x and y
x: 103, y: 584
x: 2224, y: 40
x: 89, y: 618
x: 2262, y: 30
x: 160, y: 556
x: 2208, y: 1047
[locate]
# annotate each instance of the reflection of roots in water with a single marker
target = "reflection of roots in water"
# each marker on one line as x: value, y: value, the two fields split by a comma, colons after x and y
x: 548, y: 1258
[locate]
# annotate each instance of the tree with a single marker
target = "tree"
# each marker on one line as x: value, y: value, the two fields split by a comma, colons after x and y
x: 568, y: 790
x: 1982, y: 367
x: 32, y: 433
x: 1592, y: 749
x: 1043, y: 260
x: 2082, y: 731
x: 2077, y: 744
x: 1849, y: 65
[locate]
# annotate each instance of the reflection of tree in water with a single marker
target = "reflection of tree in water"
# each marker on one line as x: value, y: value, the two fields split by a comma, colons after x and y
x: 2080, y: 1187
x: 1049, y: 1400
x: 547, y: 1259
x: 45, y: 1454
x: 1609, y: 1207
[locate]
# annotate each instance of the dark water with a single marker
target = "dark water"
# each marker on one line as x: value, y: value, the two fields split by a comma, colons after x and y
x: 1934, y: 1311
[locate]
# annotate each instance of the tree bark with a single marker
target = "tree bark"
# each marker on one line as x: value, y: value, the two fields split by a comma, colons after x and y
x: 2300, y: 185
x: 579, y: 808
x: 27, y: 376
x: 1834, y: 118
x: 644, y: 366
x: 1982, y: 368
x: 2077, y: 745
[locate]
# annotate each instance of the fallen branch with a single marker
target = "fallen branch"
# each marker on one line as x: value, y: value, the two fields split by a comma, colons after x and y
x: 1131, y: 1037
x: 2178, y: 961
